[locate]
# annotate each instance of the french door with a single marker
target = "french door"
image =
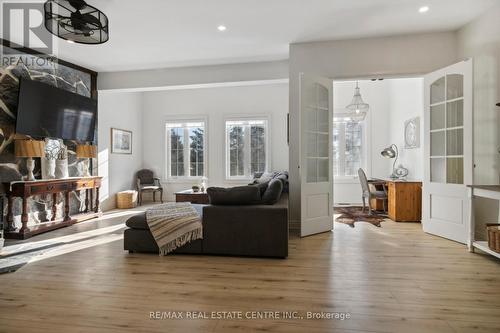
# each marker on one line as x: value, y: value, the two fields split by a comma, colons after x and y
x: 316, y: 114
x: 448, y: 122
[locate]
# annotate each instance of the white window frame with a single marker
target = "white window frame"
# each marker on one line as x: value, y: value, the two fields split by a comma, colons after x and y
x: 364, y: 151
x: 247, y: 167
x: 183, y: 122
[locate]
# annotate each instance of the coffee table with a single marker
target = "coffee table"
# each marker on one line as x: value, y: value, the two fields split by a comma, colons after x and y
x: 192, y: 197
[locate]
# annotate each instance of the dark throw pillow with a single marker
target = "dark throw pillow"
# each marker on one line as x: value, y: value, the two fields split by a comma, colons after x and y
x: 273, y: 192
x: 240, y: 195
x: 283, y: 176
x: 261, y: 178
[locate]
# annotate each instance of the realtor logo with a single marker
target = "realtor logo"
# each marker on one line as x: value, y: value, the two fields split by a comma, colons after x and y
x: 23, y: 24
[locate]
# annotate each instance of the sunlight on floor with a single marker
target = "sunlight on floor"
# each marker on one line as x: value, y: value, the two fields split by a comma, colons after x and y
x: 18, y: 255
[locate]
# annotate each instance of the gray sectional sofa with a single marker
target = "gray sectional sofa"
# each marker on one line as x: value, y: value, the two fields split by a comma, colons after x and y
x: 241, y: 230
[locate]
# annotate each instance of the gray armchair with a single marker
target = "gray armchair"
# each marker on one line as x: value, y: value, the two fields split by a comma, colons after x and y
x: 370, y: 190
x: 147, y: 182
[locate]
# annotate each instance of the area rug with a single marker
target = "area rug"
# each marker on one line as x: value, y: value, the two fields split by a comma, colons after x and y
x: 352, y: 214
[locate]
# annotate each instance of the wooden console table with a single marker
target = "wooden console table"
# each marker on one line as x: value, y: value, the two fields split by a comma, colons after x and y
x: 26, y: 189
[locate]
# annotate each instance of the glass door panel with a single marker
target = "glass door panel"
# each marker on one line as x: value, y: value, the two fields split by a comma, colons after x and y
x: 323, y: 96
x: 317, y: 135
x: 446, y: 125
x: 455, y: 170
x: 438, y: 91
x: 323, y: 174
x: 438, y: 116
x: 323, y: 145
x: 438, y: 147
x: 312, y: 170
x: 323, y: 120
x: 455, y: 142
x: 312, y: 145
x: 454, y: 86
x: 438, y: 170
x: 312, y: 121
x: 455, y: 113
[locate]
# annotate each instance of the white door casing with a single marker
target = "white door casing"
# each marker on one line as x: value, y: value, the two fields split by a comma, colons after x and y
x: 316, y: 174
x: 448, y: 155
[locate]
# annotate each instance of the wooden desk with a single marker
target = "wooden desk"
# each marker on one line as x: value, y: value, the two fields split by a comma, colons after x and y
x: 26, y: 189
x: 404, y: 200
x: 192, y: 197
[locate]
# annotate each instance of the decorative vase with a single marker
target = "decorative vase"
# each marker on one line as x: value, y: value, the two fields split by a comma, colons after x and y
x: 61, y: 169
x: 48, y: 168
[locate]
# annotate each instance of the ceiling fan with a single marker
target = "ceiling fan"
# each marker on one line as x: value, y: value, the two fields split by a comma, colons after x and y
x: 76, y: 21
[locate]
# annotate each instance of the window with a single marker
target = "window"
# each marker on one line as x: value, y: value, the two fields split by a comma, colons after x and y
x: 246, y: 148
x: 185, y: 149
x: 347, y: 148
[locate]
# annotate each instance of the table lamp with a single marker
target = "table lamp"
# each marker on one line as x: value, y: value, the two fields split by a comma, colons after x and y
x: 29, y: 149
x: 86, y: 152
x: 391, y: 152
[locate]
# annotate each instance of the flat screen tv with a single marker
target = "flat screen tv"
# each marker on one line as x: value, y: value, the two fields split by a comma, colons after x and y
x: 46, y: 111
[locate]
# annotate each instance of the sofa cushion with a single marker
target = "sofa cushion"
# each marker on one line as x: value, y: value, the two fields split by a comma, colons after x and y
x: 273, y: 192
x: 262, y: 187
x: 265, y: 177
x: 283, y: 176
x: 137, y: 221
x: 240, y: 195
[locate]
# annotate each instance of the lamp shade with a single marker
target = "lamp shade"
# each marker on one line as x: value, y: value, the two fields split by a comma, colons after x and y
x: 29, y: 148
x: 389, y: 152
x: 86, y: 151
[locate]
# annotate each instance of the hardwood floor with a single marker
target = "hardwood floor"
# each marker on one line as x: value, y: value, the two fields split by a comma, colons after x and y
x: 389, y: 279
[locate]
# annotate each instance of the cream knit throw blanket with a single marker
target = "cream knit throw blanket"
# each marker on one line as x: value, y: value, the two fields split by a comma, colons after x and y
x: 174, y: 225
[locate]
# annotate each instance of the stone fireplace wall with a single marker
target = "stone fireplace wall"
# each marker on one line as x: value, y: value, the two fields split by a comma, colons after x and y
x: 16, y: 63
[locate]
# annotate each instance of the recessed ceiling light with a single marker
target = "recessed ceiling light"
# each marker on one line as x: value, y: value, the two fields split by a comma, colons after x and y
x: 221, y: 28
x: 423, y: 9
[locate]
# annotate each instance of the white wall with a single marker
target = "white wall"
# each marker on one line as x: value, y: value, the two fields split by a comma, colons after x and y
x: 214, y: 104
x: 404, y: 55
x: 392, y: 102
x: 123, y: 111
x: 406, y: 101
x: 481, y: 40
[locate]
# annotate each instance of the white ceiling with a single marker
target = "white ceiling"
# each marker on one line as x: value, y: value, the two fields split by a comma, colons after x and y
x: 166, y: 33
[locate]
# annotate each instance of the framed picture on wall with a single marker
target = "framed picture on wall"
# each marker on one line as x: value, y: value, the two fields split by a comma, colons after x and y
x: 412, y: 133
x: 121, y: 141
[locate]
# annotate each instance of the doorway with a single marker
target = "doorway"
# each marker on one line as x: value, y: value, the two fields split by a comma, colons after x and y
x: 395, y: 105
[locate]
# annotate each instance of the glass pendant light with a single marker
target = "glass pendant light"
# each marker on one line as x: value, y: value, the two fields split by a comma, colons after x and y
x: 358, y: 109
